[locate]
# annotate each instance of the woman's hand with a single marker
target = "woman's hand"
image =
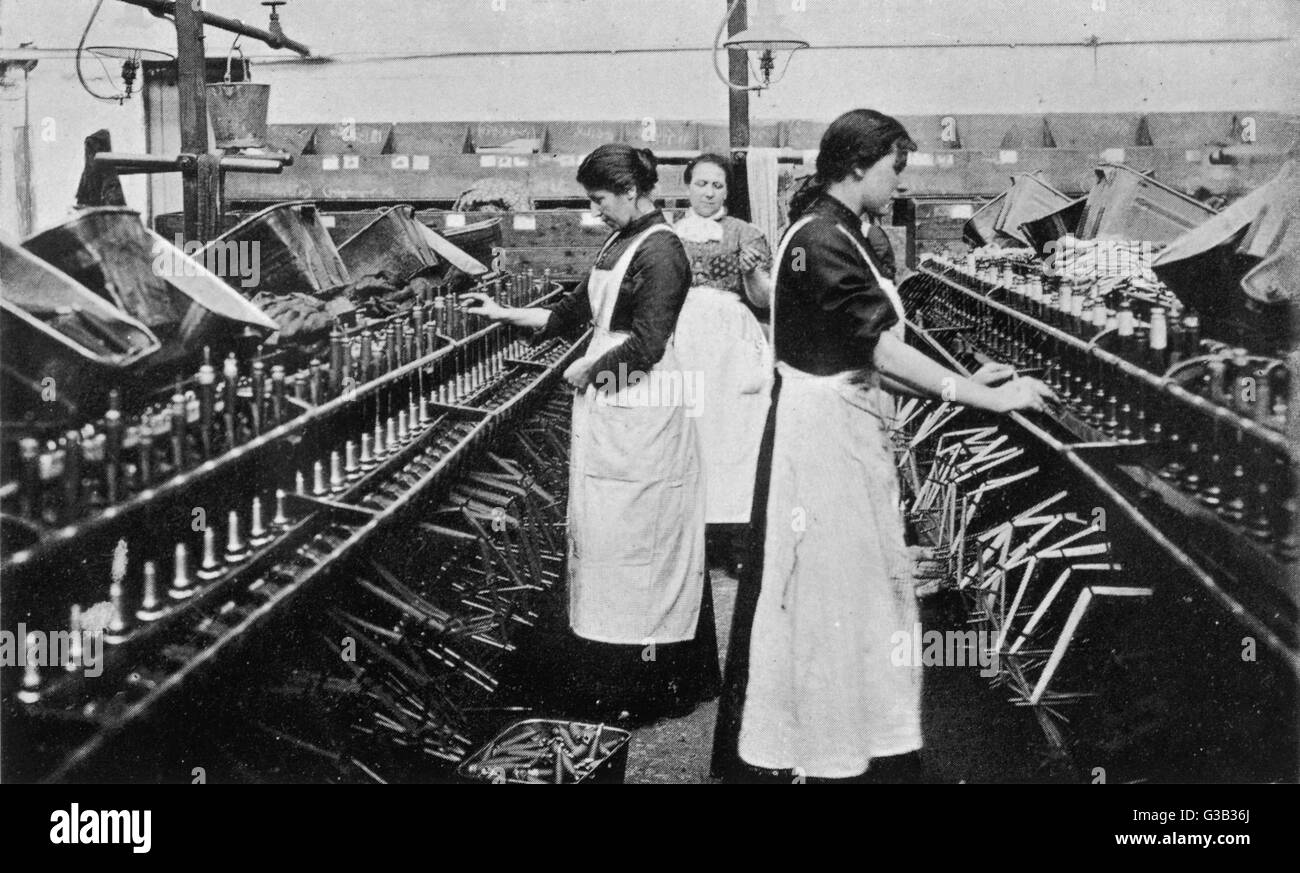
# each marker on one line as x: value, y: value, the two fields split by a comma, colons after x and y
x: 482, y: 305
x: 1024, y: 394
x: 757, y: 281
x: 992, y: 374
x: 749, y: 260
x: 579, y: 372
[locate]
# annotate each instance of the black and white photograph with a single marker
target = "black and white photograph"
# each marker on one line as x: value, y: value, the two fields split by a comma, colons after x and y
x: 874, y: 392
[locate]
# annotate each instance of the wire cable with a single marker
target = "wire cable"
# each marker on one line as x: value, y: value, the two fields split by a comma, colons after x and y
x: 81, y: 46
x: 717, y: 68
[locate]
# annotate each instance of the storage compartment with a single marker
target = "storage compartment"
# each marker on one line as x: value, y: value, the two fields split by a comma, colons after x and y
x: 547, y: 751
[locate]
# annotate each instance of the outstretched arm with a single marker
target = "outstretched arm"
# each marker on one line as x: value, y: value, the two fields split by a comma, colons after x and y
x: 901, y: 363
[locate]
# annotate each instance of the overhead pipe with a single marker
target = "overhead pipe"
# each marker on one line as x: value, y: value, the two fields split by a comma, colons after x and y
x: 168, y: 7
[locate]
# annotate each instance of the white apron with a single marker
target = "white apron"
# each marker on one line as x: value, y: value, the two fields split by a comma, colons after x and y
x: 722, y: 346
x: 636, y: 495
x: 824, y: 695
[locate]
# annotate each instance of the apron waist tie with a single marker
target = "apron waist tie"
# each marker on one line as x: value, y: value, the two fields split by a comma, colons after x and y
x: 862, y: 396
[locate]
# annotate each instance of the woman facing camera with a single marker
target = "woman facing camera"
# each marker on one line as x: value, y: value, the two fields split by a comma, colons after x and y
x: 639, y: 598
x: 719, y: 338
x: 817, y: 695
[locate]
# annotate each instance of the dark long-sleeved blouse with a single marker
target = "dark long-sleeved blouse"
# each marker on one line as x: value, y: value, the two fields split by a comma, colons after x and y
x: 881, y: 248
x: 649, y: 299
x: 830, y: 311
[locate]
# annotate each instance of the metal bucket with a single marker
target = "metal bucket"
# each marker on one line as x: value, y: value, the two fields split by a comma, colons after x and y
x: 607, y: 767
x: 237, y: 112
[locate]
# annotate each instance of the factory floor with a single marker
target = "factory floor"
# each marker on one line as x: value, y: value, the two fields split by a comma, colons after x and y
x: 972, y: 734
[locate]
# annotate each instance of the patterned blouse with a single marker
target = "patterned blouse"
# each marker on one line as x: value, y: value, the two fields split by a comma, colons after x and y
x: 716, y: 263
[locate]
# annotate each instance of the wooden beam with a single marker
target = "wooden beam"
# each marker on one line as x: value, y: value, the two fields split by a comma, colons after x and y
x: 738, y: 73
x: 190, y: 84
x: 738, y: 116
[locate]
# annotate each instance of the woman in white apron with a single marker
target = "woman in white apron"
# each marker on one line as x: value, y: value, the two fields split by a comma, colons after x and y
x: 811, y: 692
x: 639, y: 601
x: 719, y: 338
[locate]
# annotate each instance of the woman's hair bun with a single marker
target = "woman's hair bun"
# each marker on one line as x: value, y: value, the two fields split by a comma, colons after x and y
x: 647, y: 176
x: 619, y: 167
